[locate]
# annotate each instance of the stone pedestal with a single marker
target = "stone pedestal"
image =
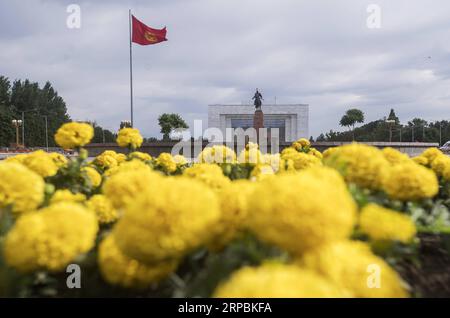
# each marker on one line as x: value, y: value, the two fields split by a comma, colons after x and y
x: 258, y: 122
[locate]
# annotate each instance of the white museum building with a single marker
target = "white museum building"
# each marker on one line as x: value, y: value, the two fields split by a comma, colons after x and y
x: 291, y: 119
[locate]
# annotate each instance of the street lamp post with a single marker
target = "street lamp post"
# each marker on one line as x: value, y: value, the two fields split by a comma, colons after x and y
x: 46, y: 131
x: 16, y: 123
x: 125, y: 123
x: 390, y: 122
x: 23, y: 123
x: 23, y: 129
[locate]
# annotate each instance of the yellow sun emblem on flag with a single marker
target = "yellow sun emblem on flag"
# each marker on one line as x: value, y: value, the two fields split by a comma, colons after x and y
x: 150, y: 37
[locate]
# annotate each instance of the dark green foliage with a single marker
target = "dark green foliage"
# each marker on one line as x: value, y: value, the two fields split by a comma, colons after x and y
x: 416, y: 130
x: 102, y: 135
x: 168, y: 122
x: 237, y: 171
x: 72, y: 177
x: 197, y: 276
x: 36, y: 103
x: 7, y: 131
x: 393, y: 117
x: 352, y: 117
x: 125, y: 124
x: 212, y: 268
x: 429, y: 215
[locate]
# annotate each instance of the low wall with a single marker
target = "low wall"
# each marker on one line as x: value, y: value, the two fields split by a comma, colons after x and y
x: 410, y: 148
x: 155, y: 148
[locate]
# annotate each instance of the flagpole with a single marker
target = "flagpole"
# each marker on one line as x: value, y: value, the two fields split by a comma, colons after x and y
x: 131, y: 69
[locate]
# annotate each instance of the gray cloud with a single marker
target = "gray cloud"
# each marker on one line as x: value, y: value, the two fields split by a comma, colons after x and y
x: 316, y: 52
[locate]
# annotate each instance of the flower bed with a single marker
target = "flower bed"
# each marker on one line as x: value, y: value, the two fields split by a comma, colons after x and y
x: 353, y: 221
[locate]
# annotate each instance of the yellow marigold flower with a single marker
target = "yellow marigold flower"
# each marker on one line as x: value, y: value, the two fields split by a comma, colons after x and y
x: 431, y: 154
x: 140, y: 155
x: 119, y: 269
x: 59, y: 159
x: 41, y: 163
x: 167, y: 221
x: 304, y: 142
x: 217, y: 154
x: 441, y: 166
x: 296, y: 146
x: 209, y: 174
x: 279, y: 212
x: 286, y: 165
x: 16, y: 159
x: 166, y: 162
x: 103, y: 208
x: 20, y: 187
x: 251, y: 145
x: 129, y: 137
x: 421, y: 160
x: 234, y: 202
x: 180, y: 160
x: 111, y: 153
x: 131, y: 165
x: 301, y: 144
x: 73, y: 135
x: 301, y: 160
x: 273, y: 160
x: 67, y: 196
x: 328, y: 152
x: 352, y: 265
x: 316, y: 153
x: 288, y: 151
x: 261, y: 171
x: 251, y: 154
x: 106, y: 160
x: 384, y: 224
x: 326, y: 174
x: 93, y: 175
x: 410, y: 181
x: 122, y: 187
x: 120, y: 157
x: 277, y: 281
x: 50, y: 238
x: 394, y: 156
x: 360, y: 164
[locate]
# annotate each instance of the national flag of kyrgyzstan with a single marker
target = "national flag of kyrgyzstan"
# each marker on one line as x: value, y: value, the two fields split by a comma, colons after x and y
x: 145, y: 35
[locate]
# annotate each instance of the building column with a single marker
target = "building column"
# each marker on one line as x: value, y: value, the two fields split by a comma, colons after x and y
x: 287, y: 128
x: 294, y: 128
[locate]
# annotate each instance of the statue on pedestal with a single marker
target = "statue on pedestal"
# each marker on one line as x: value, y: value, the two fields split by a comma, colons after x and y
x: 258, y: 117
x: 258, y: 97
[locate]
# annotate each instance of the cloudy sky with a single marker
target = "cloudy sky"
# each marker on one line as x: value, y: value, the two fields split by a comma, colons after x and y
x: 317, y: 52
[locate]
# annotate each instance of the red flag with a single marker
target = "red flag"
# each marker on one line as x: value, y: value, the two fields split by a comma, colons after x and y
x: 145, y: 35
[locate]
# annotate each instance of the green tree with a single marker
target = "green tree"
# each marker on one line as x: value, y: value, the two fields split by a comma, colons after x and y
x: 394, y: 117
x: 321, y: 137
x: 7, y: 133
x: 415, y: 130
x: 102, y: 135
x: 418, y: 127
x: 350, y: 118
x: 36, y: 103
x: 169, y: 122
x: 26, y: 99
